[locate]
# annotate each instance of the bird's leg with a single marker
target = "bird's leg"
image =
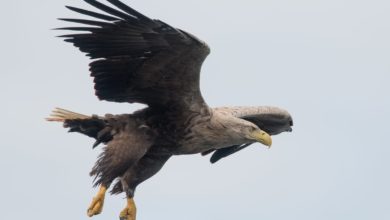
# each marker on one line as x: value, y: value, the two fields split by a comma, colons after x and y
x: 96, y: 206
x: 130, y: 211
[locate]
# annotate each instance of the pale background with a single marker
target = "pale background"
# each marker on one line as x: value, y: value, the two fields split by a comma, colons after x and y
x: 326, y: 61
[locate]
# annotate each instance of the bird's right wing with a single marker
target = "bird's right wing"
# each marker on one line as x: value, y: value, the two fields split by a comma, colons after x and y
x: 272, y: 120
x: 138, y: 59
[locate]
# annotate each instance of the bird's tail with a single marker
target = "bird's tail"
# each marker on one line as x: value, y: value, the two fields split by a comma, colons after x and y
x: 61, y: 115
x: 92, y: 126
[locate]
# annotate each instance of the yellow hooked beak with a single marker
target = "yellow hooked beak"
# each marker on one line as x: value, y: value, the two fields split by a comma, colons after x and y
x: 262, y: 137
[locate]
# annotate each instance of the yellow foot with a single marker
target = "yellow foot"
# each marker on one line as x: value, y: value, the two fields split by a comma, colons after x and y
x: 96, y: 206
x: 129, y: 212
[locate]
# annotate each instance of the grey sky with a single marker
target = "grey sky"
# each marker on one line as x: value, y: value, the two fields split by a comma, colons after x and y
x: 326, y: 62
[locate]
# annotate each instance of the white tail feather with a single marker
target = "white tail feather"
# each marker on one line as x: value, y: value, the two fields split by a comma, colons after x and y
x: 60, y: 115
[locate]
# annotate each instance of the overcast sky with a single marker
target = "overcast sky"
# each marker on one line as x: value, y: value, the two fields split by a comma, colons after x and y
x: 325, y: 61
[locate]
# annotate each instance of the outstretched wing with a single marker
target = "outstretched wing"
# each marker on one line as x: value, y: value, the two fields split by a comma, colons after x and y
x: 137, y: 59
x: 272, y: 120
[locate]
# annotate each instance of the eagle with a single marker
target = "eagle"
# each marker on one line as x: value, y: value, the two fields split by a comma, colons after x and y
x: 136, y: 59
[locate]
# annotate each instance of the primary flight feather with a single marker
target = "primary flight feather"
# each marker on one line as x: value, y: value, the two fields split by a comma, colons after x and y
x: 138, y: 59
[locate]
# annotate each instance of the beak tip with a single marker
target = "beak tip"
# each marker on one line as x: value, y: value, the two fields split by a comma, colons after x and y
x: 266, y: 139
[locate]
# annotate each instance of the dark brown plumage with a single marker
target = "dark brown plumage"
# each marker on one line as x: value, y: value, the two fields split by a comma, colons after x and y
x: 132, y: 51
x: 137, y: 59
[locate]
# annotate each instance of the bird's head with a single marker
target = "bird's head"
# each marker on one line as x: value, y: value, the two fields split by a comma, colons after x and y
x: 255, y: 134
x: 242, y: 131
x: 250, y: 132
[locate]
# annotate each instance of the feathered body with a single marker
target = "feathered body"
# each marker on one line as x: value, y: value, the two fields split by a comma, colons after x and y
x: 138, y: 59
x: 156, y: 136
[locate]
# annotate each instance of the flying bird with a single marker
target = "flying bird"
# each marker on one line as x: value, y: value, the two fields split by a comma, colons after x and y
x: 136, y: 59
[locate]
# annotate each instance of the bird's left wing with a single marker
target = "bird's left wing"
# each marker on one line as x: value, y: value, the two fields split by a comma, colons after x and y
x: 224, y: 152
x: 138, y: 59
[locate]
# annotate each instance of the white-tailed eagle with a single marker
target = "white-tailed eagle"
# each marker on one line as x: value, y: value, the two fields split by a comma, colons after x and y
x: 142, y: 60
